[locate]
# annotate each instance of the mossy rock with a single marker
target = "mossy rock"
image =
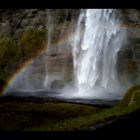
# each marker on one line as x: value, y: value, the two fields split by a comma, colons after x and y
x: 14, y: 52
x: 134, y: 93
x: 32, y: 41
x: 9, y: 50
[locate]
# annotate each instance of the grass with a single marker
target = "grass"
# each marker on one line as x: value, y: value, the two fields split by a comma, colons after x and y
x: 21, y: 116
x: 130, y: 102
x: 30, y: 116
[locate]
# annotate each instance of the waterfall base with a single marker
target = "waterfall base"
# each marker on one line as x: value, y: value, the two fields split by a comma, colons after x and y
x: 55, y: 97
x: 88, y: 92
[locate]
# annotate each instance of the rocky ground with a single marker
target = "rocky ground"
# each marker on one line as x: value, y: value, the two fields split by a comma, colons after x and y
x: 52, y: 97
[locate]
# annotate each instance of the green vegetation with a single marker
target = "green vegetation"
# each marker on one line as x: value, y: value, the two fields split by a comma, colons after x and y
x: 25, y: 115
x: 63, y: 116
x: 130, y: 102
x: 9, y: 51
x: 32, y: 41
x: 15, y: 52
x: 10, y: 55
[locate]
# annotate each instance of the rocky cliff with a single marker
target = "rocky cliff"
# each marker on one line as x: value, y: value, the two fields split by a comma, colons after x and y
x: 24, y: 32
x: 129, y: 55
x: 28, y: 29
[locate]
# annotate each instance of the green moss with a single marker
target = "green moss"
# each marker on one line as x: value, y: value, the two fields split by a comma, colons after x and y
x: 10, y: 54
x: 15, y: 52
x: 131, y: 95
x: 32, y: 41
x: 63, y: 116
x: 2, y: 75
x: 129, y: 103
x: 22, y: 116
x: 9, y: 50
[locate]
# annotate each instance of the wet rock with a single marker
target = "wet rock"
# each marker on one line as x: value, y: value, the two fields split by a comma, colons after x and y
x: 126, y: 53
x: 57, y: 85
x: 24, y: 22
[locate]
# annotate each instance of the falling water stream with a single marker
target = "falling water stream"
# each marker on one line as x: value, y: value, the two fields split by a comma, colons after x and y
x: 97, y: 41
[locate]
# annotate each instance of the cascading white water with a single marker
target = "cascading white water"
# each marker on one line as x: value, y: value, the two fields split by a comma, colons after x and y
x: 49, y: 27
x: 98, y: 38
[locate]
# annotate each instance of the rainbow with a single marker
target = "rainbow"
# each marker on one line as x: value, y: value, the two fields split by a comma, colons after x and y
x: 25, y: 64
x: 14, y: 76
x: 20, y: 69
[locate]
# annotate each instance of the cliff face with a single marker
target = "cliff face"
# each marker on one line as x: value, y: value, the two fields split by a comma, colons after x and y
x: 24, y: 32
x: 32, y: 30
x: 20, y: 24
x: 129, y: 55
x: 15, y: 21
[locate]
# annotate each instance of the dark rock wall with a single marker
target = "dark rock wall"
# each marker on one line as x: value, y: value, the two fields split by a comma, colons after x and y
x: 16, y: 21
x: 13, y: 22
x: 129, y: 55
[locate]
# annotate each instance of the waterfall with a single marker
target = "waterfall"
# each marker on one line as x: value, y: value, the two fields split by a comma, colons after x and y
x: 97, y: 41
x: 49, y: 28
